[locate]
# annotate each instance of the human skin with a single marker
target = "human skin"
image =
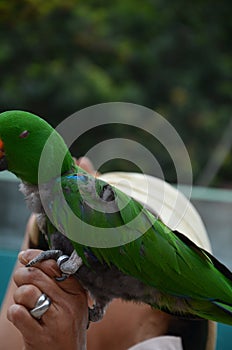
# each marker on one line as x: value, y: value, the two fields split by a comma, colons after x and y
x: 64, y: 324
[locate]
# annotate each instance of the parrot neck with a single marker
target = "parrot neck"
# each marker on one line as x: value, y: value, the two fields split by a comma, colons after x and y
x: 46, y: 171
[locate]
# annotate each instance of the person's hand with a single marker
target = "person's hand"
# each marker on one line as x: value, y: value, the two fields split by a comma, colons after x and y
x: 63, y: 325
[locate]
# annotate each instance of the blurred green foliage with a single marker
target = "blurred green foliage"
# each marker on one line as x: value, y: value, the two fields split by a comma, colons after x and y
x: 57, y: 57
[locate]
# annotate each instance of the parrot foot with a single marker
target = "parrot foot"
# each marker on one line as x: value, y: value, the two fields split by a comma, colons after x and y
x: 69, y: 265
x: 48, y: 254
x: 97, y: 312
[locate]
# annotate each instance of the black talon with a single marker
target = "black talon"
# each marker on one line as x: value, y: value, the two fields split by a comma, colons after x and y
x: 62, y: 278
x: 46, y: 255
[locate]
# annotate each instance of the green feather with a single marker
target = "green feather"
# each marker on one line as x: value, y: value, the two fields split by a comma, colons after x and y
x: 157, y: 253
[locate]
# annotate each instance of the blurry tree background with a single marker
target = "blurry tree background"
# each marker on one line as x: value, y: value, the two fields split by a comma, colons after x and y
x: 57, y: 57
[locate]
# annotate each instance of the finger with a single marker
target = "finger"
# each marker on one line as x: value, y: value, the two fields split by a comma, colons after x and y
x: 22, y: 320
x: 26, y: 255
x: 38, y: 278
x: 61, y: 303
x: 48, y: 266
x: 27, y: 295
x: 85, y: 164
x: 55, y: 290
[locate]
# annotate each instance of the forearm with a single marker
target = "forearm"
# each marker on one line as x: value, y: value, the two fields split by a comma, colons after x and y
x: 10, y: 337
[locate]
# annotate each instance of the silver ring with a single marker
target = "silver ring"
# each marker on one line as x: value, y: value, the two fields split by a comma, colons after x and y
x: 62, y: 259
x: 41, y: 306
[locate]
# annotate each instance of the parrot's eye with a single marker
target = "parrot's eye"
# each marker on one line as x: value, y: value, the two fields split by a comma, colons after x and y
x: 24, y: 134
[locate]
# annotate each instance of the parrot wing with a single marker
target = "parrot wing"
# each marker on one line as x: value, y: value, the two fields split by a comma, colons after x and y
x: 148, y: 250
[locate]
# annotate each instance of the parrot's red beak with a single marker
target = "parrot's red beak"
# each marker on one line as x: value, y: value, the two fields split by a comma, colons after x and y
x: 2, y: 153
x: 3, y: 162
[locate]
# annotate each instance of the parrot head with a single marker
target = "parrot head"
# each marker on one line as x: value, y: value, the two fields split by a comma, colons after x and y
x: 23, y: 137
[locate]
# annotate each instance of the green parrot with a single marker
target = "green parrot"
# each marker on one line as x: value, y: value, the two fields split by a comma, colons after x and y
x: 109, y: 241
